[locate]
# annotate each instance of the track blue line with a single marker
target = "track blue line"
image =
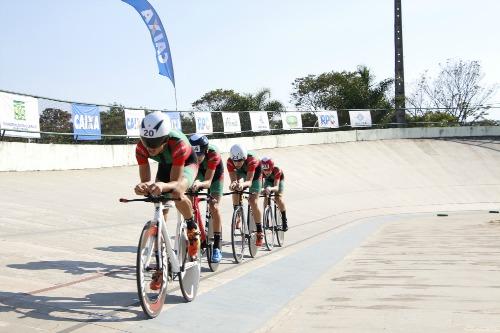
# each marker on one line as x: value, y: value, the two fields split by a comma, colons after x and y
x: 247, y: 303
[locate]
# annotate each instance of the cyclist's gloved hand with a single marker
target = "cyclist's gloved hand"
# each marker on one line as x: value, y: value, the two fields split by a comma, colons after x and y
x: 196, y: 186
x: 155, y: 189
x: 141, y: 189
x: 233, y: 186
x: 266, y: 190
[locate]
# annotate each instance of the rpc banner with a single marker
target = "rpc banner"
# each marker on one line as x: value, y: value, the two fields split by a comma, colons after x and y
x: 291, y: 120
x: 86, y: 122
x: 328, y: 119
x: 19, y: 113
x: 133, y: 119
x: 360, y: 118
x: 175, y: 120
x: 203, y: 122
x: 231, y: 122
x: 259, y: 121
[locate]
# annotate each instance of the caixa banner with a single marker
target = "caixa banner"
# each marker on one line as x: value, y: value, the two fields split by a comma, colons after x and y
x: 86, y: 122
x: 133, y: 120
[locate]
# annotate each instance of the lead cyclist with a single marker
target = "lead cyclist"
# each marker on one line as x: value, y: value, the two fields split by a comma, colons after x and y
x: 176, y: 172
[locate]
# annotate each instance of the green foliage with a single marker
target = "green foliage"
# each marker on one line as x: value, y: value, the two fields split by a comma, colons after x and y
x: 56, y: 120
x: 113, y: 120
x: 434, y: 119
x: 341, y: 90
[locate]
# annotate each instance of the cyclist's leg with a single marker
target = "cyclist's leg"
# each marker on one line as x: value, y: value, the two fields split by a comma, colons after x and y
x: 185, y: 208
x: 253, y: 200
x: 163, y: 175
x: 216, y: 190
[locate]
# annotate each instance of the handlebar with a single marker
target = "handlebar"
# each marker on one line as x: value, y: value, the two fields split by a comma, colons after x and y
x: 237, y: 192
x: 150, y: 198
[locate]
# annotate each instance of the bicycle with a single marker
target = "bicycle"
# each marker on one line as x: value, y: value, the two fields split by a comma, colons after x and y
x: 160, y: 260
x: 242, y: 230
x: 272, y: 222
x: 207, y: 231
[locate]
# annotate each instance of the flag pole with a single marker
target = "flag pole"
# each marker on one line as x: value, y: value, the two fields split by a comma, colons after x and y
x: 175, y: 93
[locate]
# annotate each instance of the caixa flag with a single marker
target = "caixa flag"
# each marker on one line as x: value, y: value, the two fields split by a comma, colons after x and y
x: 86, y: 122
x: 158, y: 36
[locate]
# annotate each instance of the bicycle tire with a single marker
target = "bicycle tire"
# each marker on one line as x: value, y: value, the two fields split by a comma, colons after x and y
x: 151, y: 301
x: 268, y: 227
x: 189, y: 276
x: 280, y: 234
x: 238, y: 235
x: 251, y: 236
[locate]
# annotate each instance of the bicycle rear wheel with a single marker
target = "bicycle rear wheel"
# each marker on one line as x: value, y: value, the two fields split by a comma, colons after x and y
x: 268, y: 228
x: 189, y: 276
x: 238, y: 234
x: 280, y: 234
x: 147, y: 264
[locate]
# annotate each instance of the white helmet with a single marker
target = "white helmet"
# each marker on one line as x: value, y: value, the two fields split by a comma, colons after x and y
x: 238, y: 152
x: 155, y: 128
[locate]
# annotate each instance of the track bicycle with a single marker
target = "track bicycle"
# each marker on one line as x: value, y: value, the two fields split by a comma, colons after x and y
x: 242, y: 230
x: 160, y: 261
x: 207, y: 230
x: 272, y: 222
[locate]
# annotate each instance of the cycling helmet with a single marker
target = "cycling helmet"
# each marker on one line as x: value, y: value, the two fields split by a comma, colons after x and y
x: 199, y: 143
x: 238, y: 153
x: 155, y: 128
x: 267, y: 163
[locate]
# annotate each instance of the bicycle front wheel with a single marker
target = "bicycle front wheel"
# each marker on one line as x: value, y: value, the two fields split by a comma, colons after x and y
x: 268, y: 228
x: 238, y: 235
x: 189, y: 276
x: 151, y: 280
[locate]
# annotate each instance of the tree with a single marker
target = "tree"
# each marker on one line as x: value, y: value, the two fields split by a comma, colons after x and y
x: 56, y: 120
x: 229, y: 100
x: 457, y: 89
x: 341, y: 91
x: 113, y: 120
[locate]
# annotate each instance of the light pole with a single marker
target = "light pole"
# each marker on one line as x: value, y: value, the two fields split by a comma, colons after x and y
x: 399, y: 75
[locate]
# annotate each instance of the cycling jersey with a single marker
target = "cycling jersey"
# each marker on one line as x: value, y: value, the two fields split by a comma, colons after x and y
x: 178, y: 151
x: 276, y: 174
x: 252, y: 163
x: 213, y: 161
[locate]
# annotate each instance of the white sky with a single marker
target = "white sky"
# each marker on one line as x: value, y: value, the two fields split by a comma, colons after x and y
x: 100, y: 51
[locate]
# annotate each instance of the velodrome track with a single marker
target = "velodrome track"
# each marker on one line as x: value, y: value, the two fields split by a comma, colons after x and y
x: 365, y: 252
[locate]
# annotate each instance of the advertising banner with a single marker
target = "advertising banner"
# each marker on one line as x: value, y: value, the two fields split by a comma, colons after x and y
x: 86, y: 122
x: 203, y: 122
x: 259, y: 121
x: 328, y: 119
x: 360, y: 118
x: 175, y: 120
x: 19, y: 113
x: 291, y: 120
x: 231, y: 122
x: 133, y: 119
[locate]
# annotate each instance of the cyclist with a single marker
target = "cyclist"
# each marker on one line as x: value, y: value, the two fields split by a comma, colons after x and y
x: 211, y: 177
x: 274, y: 181
x: 176, y: 170
x: 245, y: 171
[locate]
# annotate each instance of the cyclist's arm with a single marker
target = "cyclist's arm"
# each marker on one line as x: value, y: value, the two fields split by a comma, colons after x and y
x: 144, y: 173
x: 249, y: 180
x: 209, y: 176
x: 276, y: 186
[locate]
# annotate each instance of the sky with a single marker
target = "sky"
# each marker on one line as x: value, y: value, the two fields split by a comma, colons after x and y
x: 100, y: 51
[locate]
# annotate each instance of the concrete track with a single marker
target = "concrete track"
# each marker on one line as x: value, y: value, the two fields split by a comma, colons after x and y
x: 365, y: 243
